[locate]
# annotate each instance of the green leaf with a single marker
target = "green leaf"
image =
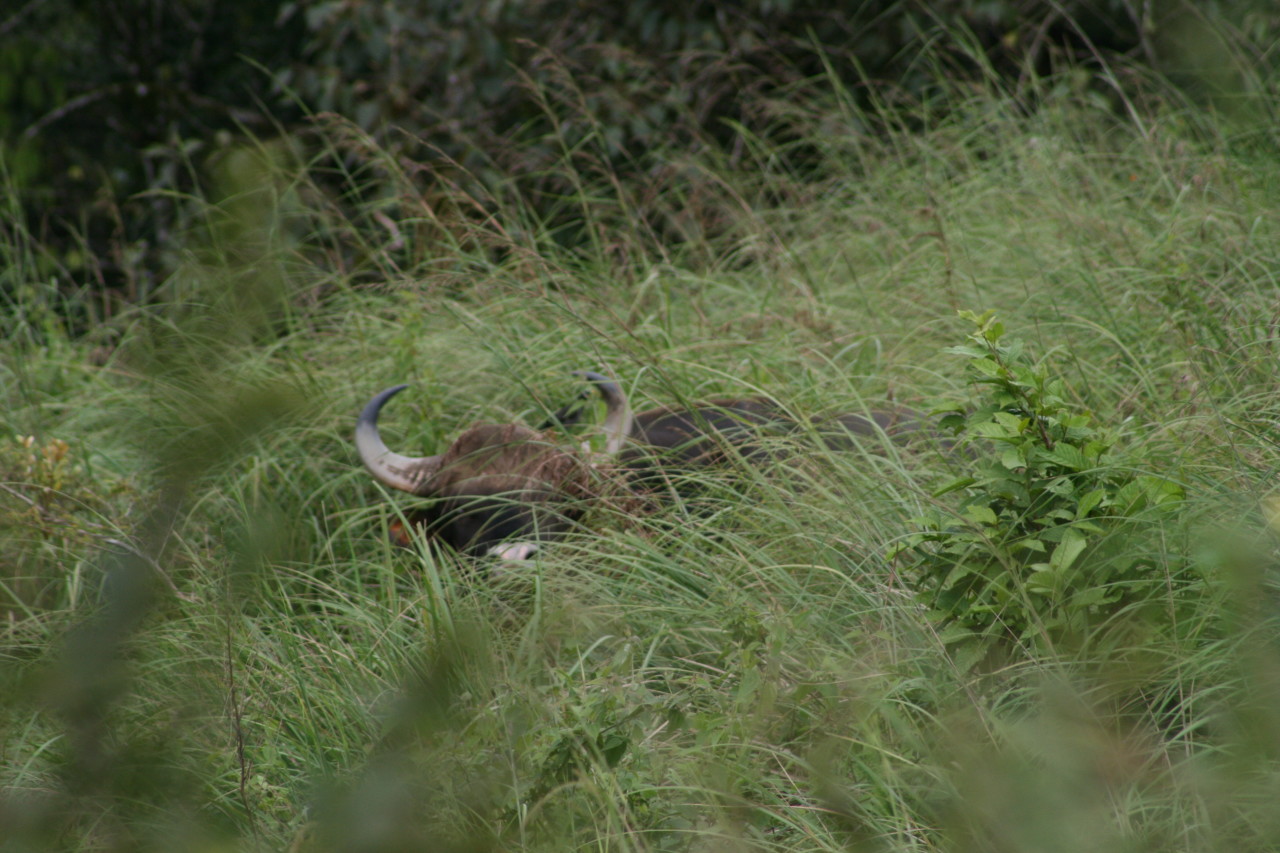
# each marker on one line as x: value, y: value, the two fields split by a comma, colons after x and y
x: 1042, y: 581
x: 1077, y: 421
x: 1060, y: 486
x: 1161, y: 491
x: 1090, y: 596
x: 1069, y: 548
x: 612, y: 747
x: 956, y: 572
x: 1130, y: 498
x: 1068, y: 456
x: 1090, y: 500
x: 987, y: 367
x: 992, y: 429
x: 966, y: 314
x: 954, y: 485
x: 1026, y: 377
x: 980, y: 514
x: 968, y: 351
x: 1015, y: 424
x: 969, y: 653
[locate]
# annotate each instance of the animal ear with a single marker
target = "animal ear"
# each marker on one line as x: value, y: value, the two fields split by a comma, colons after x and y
x: 618, y: 422
x: 407, y: 473
x: 399, y: 534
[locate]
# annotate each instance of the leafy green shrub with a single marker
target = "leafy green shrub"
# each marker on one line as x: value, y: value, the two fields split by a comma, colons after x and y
x: 1047, y: 539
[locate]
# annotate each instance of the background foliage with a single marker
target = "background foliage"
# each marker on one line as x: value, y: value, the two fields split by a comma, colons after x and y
x: 112, y: 113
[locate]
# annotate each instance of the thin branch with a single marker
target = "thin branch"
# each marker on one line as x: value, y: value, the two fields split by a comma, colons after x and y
x: 68, y: 108
x: 16, y: 17
x: 237, y: 729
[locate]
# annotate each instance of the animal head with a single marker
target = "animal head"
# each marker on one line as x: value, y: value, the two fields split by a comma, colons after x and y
x: 499, y: 488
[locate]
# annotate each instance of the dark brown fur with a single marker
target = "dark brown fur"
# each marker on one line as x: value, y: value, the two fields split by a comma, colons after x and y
x: 707, y: 433
x: 503, y: 483
x: 499, y: 482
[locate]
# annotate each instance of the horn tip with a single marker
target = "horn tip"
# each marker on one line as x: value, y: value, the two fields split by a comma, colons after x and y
x: 379, y: 399
x: 367, y: 422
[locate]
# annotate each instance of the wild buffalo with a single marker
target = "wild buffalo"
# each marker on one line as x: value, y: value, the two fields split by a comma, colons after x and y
x: 502, y: 489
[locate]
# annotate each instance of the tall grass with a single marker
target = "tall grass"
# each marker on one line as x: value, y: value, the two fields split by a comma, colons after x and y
x: 210, y: 644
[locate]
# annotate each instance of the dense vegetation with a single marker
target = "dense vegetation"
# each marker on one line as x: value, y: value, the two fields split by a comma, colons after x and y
x: 1057, y: 633
x: 114, y: 114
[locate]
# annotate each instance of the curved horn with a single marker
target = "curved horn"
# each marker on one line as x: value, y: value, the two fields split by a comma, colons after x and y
x: 617, y: 419
x: 407, y: 473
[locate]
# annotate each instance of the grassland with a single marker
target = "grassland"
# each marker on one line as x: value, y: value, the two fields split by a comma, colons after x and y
x: 210, y: 645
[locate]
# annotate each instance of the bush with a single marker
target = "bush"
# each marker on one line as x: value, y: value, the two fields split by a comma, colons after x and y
x: 1049, y: 538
